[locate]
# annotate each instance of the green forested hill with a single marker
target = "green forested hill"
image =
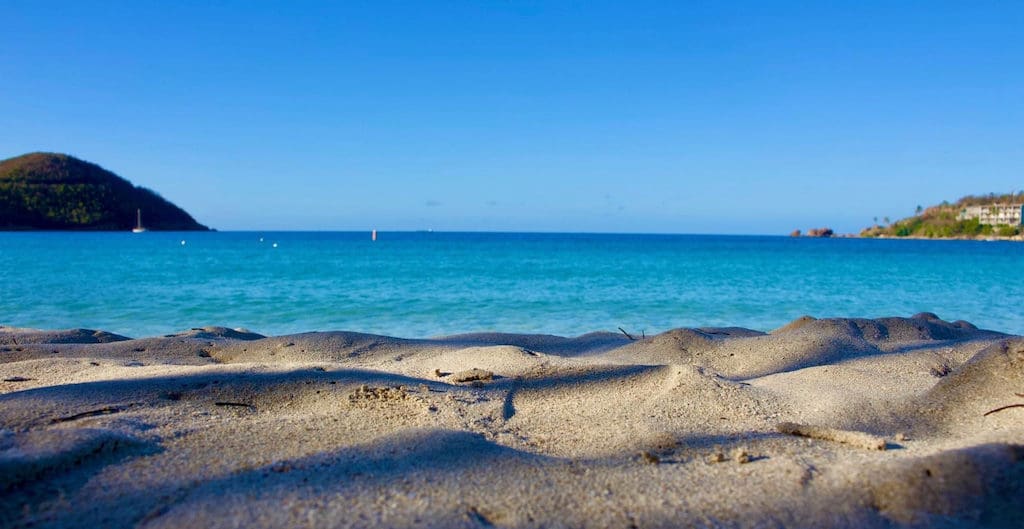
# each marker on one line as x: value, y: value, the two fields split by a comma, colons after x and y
x: 47, y: 191
x: 941, y: 221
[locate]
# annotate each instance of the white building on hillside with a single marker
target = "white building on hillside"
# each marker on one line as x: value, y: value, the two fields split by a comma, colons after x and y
x: 994, y: 214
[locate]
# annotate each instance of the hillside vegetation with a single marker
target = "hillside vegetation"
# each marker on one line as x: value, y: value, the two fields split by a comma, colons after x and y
x: 48, y: 191
x: 941, y: 221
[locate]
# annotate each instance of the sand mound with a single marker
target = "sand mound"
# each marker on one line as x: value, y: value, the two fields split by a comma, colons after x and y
x: 924, y: 326
x: 806, y: 342
x: 211, y: 333
x: 677, y: 346
x: 191, y: 347
x: 349, y: 347
x: 502, y: 361
x: 989, y: 380
x: 795, y: 324
x: 15, y: 336
x: 368, y: 350
x: 745, y: 355
x: 614, y: 410
x: 590, y: 343
x: 146, y: 351
x: 226, y: 388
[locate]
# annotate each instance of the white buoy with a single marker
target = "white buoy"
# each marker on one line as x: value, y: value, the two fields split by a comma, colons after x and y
x: 274, y: 245
x: 183, y: 242
x: 261, y: 239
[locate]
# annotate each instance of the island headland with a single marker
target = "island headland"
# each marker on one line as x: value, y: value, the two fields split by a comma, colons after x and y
x: 50, y: 191
x: 988, y: 216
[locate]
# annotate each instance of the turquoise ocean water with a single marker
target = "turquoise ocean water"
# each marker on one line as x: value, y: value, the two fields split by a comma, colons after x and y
x: 429, y: 284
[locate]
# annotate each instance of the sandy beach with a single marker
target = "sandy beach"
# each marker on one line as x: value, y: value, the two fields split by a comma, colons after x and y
x: 821, y: 423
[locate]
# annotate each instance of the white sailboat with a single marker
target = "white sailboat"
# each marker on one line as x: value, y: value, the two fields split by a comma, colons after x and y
x: 138, y: 222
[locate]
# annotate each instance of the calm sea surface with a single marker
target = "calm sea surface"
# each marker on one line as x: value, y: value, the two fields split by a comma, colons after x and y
x: 428, y: 284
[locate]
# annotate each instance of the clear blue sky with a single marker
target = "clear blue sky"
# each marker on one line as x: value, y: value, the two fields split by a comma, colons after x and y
x: 686, y: 117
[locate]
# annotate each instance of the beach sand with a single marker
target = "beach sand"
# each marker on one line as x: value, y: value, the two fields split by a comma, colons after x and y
x: 690, y: 428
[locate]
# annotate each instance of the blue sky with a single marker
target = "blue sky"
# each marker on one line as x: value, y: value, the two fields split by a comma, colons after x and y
x: 680, y: 117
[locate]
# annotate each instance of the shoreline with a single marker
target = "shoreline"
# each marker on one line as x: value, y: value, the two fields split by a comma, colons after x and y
x: 513, y: 233
x: 823, y: 422
x: 993, y: 238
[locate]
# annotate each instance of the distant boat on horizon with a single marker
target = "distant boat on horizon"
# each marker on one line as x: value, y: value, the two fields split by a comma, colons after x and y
x: 138, y: 222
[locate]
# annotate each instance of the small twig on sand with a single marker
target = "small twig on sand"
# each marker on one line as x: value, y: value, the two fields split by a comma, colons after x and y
x: 990, y: 412
x: 91, y: 413
x: 626, y: 333
x: 858, y: 439
x: 236, y: 404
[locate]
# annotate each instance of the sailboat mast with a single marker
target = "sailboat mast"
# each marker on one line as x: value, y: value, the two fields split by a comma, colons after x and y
x: 138, y: 222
